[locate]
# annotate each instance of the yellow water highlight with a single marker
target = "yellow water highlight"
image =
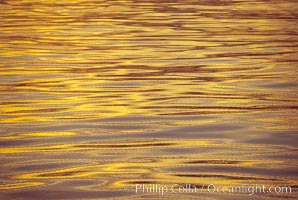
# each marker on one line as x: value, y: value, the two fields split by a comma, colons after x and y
x: 20, y: 185
x: 41, y: 134
x: 138, y: 145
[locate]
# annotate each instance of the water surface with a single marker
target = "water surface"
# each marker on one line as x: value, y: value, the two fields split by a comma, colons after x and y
x: 97, y: 96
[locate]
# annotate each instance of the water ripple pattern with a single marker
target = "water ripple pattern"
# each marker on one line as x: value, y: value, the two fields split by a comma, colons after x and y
x: 97, y: 96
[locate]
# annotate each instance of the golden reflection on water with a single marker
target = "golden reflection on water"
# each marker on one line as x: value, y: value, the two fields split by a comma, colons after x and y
x: 97, y: 96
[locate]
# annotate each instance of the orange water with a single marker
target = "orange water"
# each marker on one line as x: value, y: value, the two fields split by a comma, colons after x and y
x: 97, y: 96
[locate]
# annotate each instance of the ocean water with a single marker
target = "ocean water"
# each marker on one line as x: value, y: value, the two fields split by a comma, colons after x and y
x: 100, y: 98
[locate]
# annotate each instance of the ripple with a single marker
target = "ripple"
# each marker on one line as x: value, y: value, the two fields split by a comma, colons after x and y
x: 97, y: 96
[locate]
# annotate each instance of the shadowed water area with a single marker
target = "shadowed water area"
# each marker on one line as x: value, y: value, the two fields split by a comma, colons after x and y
x: 98, y: 96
